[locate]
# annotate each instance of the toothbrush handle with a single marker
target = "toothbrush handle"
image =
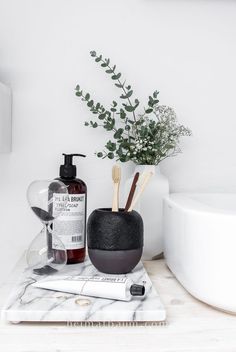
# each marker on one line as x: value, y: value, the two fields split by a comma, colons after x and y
x: 142, y: 188
x: 132, y: 191
x: 115, y: 201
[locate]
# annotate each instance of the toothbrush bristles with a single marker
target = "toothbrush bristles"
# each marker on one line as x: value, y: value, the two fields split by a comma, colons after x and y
x: 116, y: 173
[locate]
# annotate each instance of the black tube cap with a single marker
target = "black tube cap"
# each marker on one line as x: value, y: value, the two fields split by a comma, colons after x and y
x: 137, y: 290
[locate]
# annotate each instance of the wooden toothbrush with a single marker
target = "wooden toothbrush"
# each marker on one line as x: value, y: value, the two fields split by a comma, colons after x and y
x: 132, y: 190
x: 116, y: 176
x: 145, y: 177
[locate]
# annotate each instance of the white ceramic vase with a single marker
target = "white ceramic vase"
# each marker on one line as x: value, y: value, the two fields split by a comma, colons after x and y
x: 150, y: 207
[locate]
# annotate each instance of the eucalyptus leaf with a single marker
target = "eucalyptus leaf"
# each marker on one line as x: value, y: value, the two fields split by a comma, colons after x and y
x: 118, y: 133
x: 122, y: 113
x: 116, y: 77
x: 155, y: 94
x: 131, y: 122
x: 126, y: 96
x: 101, y: 116
x: 111, y: 155
x: 99, y: 58
x: 129, y: 108
x: 123, y: 158
x: 111, y: 146
x: 90, y: 103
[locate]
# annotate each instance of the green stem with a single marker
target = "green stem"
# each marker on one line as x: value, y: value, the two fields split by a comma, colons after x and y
x: 123, y: 88
x: 101, y: 112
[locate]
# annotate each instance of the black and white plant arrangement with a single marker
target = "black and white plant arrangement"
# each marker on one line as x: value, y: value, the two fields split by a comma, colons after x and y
x: 144, y: 137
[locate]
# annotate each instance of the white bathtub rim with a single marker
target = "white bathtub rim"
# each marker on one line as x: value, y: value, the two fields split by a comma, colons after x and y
x: 184, y: 202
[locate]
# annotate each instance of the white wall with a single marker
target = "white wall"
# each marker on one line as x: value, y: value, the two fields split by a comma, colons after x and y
x: 185, y: 49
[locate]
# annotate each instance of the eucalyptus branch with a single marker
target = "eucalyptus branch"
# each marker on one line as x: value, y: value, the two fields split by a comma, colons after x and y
x: 105, y: 63
x: 96, y: 108
x: 148, y: 139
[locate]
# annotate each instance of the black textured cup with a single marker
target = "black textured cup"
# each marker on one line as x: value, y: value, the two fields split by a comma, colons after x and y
x: 115, y: 240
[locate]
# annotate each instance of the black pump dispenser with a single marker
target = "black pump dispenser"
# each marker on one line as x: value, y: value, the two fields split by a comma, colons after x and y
x: 68, y: 170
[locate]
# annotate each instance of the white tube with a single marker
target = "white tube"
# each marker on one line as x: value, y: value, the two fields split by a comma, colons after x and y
x: 96, y: 286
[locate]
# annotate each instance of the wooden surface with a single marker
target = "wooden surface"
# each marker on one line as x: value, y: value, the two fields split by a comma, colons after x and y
x: 191, y: 326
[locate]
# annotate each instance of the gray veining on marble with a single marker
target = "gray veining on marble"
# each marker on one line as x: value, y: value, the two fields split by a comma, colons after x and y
x: 27, y: 303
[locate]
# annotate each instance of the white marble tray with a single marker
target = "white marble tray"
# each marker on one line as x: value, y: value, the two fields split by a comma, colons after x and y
x: 27, y: 303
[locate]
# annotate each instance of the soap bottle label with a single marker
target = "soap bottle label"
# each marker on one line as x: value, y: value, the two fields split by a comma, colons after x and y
x: 70, y: 225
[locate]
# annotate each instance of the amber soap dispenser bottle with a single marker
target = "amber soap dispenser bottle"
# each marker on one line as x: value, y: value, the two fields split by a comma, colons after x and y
x: 70, y: 227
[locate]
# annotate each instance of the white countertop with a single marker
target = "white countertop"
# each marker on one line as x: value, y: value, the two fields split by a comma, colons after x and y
x: 191, y: 326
